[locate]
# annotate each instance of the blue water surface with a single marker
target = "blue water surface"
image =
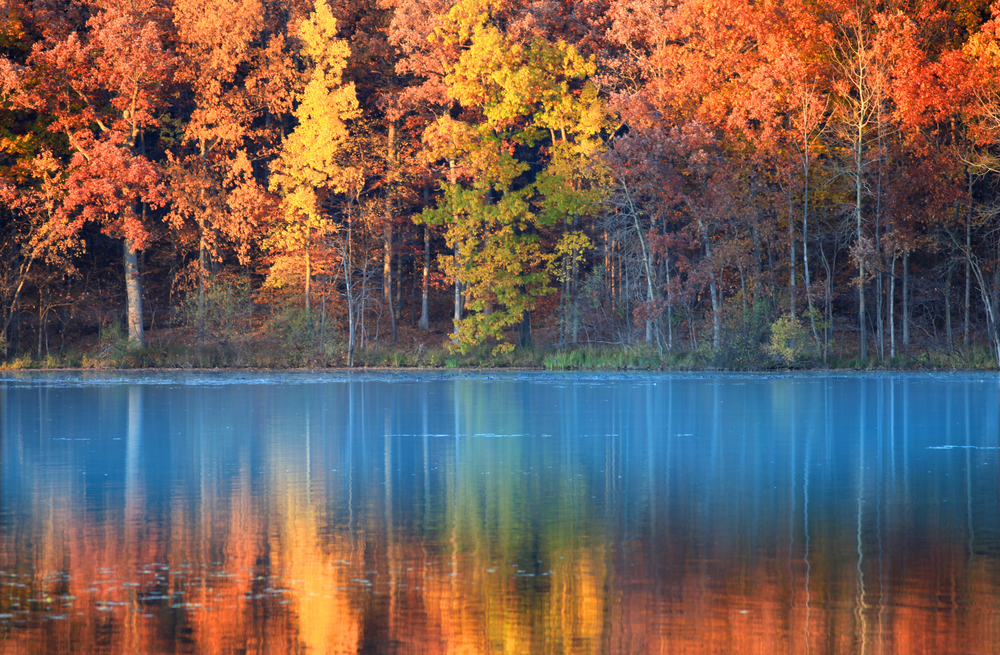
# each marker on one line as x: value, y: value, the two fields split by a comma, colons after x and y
x: 499, y: 512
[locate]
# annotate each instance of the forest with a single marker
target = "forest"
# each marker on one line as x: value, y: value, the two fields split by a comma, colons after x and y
x: 717, y: 183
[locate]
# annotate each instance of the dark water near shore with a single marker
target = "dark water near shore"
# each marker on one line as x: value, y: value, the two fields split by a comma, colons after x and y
x: 499, y: 513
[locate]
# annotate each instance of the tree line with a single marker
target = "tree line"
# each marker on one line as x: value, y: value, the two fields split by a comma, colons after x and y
x: 699, y: 175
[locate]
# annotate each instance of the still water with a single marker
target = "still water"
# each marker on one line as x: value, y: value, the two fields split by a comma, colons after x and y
x: 499, y: 513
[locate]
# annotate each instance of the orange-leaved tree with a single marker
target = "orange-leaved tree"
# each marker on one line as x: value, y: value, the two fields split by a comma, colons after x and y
x: 226, y: 47
x: 102, y: 89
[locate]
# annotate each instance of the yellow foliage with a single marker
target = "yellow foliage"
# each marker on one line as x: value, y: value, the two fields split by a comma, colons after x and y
x: 313, y: 159
x: 569, y: 250
x: 789, y: 339
x: 983, y: 47
x: 532, y: 93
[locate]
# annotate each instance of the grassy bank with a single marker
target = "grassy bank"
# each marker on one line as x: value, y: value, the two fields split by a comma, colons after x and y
x: 113, y: 352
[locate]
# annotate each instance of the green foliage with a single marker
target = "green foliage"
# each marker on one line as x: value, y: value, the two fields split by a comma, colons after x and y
x: 228, y: 306
x: 300, y: 338
x: 115, y: 350
x: 19, y: 363
x: 602, y: 358
x: 521, y: 95
x: 744, y: 344
x: 789, y: 340
x: 972, y: 357
x: 113, y: 334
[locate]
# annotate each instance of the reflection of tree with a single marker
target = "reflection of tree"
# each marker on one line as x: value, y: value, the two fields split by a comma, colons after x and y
x: 330, y: 520
x: 528, y: 576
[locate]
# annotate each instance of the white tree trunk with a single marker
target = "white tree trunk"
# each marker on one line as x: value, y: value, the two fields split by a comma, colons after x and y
x: 133, y: 296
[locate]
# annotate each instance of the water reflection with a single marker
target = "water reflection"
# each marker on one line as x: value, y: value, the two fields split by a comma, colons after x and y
x: 489, y: 514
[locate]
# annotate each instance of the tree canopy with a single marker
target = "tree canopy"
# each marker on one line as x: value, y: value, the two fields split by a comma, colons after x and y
x: 695, y: 176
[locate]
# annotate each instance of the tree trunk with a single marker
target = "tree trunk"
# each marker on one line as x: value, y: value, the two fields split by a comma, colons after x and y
x: 892, y: 308
x: 9, y: 335
x: 716, y: 313
x: 202, y: 247
x: 458, y: 304
x: 458, y: 285
x: 647, y: 262
x: 906, y: 298
x: 880, y: 314
x: 828, y: 302
x: 862, y: 327
x: 968, y: 278
x: 387, y: 275
x: 670, y: 301
x: 387, y: 233
x: 349, y: 288
x: 43, y: 301
x: 133, y: 296
x: 994, y: 317
x: 575, y: 301
x: 399, y: 289
x: 424, y: 323
x: 991, y: 301
x: 524, y: 330
x: 805, y: 258
x: 308, y: 280
x: 202, y: 274
x: 791, y: 263
x: 949, y: 337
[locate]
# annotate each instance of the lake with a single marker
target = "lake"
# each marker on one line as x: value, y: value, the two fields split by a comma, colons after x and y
x: 455, y: 512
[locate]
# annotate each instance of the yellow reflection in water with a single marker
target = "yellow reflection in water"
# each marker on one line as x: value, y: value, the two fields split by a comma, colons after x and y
x: 262, y: 564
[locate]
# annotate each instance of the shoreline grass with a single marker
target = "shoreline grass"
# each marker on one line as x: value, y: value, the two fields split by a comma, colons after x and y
x: 263, y: 355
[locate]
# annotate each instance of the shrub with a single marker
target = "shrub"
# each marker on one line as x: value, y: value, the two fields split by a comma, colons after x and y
x: 789, y: 340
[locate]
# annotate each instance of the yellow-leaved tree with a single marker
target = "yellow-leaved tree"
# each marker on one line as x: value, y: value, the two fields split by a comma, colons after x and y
x: 523, y: 155
x: 314, y: 162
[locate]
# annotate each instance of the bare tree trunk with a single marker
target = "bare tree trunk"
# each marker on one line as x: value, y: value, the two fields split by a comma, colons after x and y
x: 458, y: 285
x: 8, y: 337
x: 968, y: 277
x: 43, y: 301
x: 990, y: 298
x: 457, y: 317
x: 949, y: 336
x: 906, y: 298
x: 862, y: 328
x: 716, y: 313
x: 880, y: 307
x: 563, y: 303
x: 791, y: 261
x: 994, y: 316
x: 575, y: 292
x: 670, y: 301
x: 387, y: 233
x: 308, y: 279
x: 424, y: 323
x: 202, y: 274
x: 349, y: 288
x: 202, y: 247
x: 387, y: 275
x: 805, y: 255
x: 647, y: 262
x: 892, y: 308
x: 133, y: 295
x: 828, y: 302
x: 399, y: 288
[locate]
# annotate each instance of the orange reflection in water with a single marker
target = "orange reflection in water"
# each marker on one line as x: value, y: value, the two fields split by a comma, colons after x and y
x: 281, y: 558
x: 101, y: 586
